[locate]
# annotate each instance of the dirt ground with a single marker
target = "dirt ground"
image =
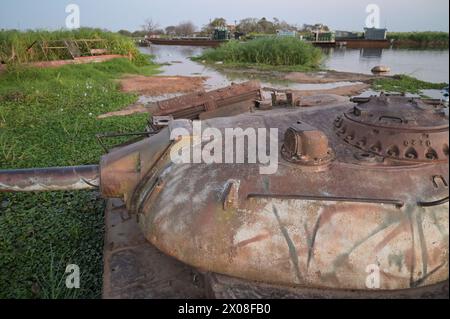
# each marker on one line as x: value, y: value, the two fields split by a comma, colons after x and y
x: 315, y: 77
x: 137, y: 108
x: 160, y: 85
x: 329, y: 77
x: 348, y: 90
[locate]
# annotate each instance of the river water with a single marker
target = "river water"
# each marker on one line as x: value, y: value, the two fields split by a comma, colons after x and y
x: 176, y: 61
x: 427, y: 65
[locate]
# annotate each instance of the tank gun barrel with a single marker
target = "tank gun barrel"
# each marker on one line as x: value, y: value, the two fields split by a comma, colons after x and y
x: 50, y: 179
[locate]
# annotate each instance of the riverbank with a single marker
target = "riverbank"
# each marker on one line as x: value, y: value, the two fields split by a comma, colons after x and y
x: 20, y: 47
x: 427, y: 40
x: 385, y: 83
x: 48, y: 117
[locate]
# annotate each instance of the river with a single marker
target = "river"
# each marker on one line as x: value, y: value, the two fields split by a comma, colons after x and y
x: 427, y: 65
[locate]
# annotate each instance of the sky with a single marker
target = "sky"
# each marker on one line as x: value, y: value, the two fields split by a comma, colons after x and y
x: 396, y: 15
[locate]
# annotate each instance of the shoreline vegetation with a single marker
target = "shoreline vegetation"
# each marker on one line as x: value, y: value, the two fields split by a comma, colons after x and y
x: 21, y: 47
x: 429, y: 40
x: 405, y: 84
x: 279, y: 54
x: 48, y: 117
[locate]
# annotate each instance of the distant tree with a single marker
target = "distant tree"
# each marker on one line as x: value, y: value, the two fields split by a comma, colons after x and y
x: 125, y: 33
x: 218, y: 22
x: 283, y: 25
x: 171, y: 30
x: 150, y: 26
x: 186, y: 28
x: 139, y: 34
x: 265, y: 26
x: 248, y: 25
x: 159, y: 31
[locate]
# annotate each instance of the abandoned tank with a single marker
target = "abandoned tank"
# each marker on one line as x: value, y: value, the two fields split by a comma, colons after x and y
x: 358, y: 188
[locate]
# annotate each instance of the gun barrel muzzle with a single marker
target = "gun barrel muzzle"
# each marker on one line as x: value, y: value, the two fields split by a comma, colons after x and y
x: 50, y: 179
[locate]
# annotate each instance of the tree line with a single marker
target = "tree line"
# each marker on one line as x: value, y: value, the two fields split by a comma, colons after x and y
x: 247, y: 25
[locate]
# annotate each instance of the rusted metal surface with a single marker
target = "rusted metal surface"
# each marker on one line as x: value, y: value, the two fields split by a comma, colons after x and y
x: 134, y: 269
x: 224, y: 287
x: 382, y: 127
x: 122, y: 170
x: 49, y: 179
x: 232, y: 100
x: 306, y: 145
x: 303, y: 227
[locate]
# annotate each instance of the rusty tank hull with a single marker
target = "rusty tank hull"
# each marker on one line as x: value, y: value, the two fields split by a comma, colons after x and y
x: 320, y: 226
x: 358, y: 189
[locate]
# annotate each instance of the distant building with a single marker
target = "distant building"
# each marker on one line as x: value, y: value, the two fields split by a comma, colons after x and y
x: 153, y: 35
x: 221, y: 34
x: 286, y: 33
x: 343, y: 35
x: 375, y: 34
x: 231, y: 28
x: 321, y: 36
x: 316, y: 27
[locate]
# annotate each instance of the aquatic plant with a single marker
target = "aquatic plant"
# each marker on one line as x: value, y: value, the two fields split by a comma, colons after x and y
x: 273, y: 51
x: 405, y: 83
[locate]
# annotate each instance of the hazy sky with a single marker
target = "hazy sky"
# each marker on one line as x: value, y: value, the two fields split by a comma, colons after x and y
x: 397, y: 15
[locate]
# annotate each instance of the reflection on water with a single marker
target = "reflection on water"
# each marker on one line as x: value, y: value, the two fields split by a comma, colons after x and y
x: 426, y: 65
x: 372, y: 53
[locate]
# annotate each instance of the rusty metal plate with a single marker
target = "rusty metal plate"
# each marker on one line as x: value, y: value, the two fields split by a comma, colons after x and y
x: 134, y: 269
x: 190, y: 106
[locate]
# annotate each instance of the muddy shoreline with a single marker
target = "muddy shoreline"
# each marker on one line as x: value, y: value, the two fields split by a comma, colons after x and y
x: 312, y: 77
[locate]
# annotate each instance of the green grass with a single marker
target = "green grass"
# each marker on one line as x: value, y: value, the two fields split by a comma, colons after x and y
x: 405, y: 83
x: 48, y: 118
x: 266, y: 53
x: 420, y: 39
x: 14, y: 44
